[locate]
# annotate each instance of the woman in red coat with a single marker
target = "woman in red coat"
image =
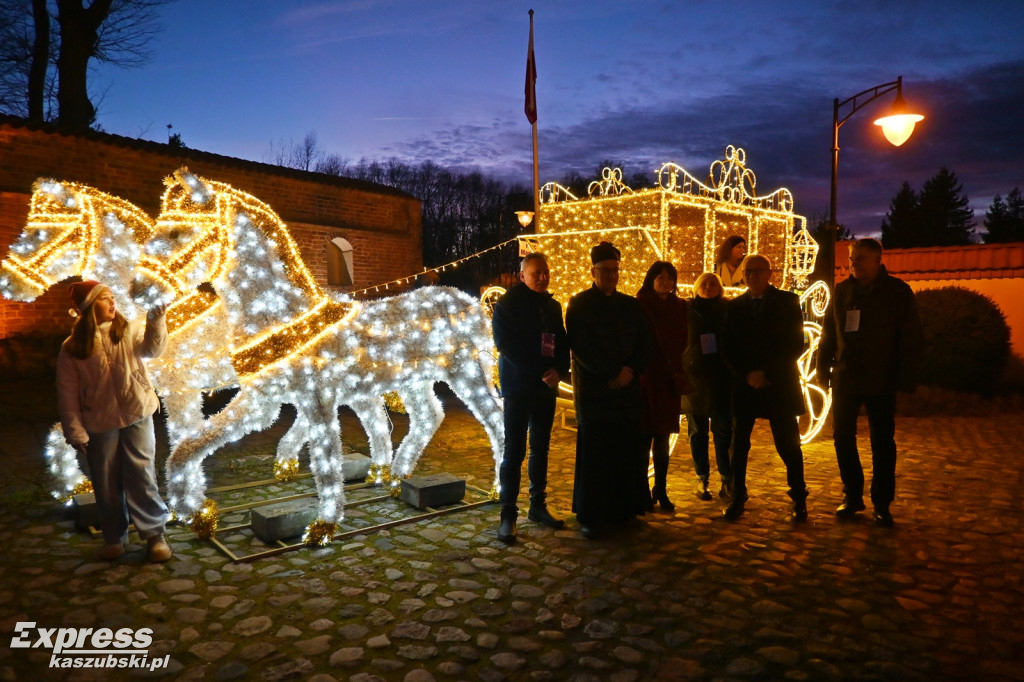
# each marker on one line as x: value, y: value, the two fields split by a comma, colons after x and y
x: 664, y: 381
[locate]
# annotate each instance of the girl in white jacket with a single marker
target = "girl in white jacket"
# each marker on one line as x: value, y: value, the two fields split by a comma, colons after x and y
x: 106, y: 406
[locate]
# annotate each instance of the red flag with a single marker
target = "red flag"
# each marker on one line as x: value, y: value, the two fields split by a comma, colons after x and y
x: 531, y: 80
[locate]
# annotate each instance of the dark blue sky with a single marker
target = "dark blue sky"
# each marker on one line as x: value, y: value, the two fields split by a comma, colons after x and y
x: 640, y: 82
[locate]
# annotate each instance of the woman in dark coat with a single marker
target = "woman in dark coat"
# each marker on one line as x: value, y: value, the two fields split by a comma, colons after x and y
x: 708, y: 403
x: 664, y: 382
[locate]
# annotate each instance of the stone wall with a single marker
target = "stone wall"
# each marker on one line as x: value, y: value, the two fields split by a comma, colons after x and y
x: 382, y: 224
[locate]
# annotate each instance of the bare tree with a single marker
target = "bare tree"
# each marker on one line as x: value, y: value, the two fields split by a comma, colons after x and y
x: 332, y: 164
x: 45, y: 54
x: 306, y: 155
x: 25, y: 79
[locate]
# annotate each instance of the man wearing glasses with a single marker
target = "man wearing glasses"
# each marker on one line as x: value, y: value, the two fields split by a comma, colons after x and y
x: 764, y: 338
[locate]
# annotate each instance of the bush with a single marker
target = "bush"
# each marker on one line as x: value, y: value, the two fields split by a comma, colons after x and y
x: 967, y: 340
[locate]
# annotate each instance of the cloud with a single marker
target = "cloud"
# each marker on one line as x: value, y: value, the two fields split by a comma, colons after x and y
x: 971, y: 127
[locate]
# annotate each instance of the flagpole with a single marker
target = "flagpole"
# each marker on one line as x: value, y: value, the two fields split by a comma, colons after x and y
x: 531, y: 114
x: 536, y: 176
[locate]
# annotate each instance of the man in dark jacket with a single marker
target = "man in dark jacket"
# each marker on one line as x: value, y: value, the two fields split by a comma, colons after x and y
x: 764, y: 338
x: 530, y: 337
x: 870, y: 348
x: 611, y: 346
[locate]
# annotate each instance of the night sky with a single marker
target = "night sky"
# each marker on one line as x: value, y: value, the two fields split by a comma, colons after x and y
x: 639, y: 82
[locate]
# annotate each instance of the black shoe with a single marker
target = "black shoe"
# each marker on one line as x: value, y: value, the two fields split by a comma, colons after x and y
x: 849, y: 507
x: 507, y: 530
x: 590, y: 532
x: 661, y: 497
x: 883, y: 518
x: 733, y: 511
x: 542, y: 516
x: 702, y: 489
x: 799, y: 510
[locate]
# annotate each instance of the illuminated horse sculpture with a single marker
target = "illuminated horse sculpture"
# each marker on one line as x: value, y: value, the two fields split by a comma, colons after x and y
x: 292, y: 343
x: 76, y: 230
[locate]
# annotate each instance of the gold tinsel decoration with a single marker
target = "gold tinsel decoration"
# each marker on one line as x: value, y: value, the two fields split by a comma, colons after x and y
x: 204, y: 522
x: 394, y: 402
x: 81, y: 488
x: 319, y: 533
x: 494, y: 496
x: 286, y: 470
x: 396, y: 489
x: 379, y: 474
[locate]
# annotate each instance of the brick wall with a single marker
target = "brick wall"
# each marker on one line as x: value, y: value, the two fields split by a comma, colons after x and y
x: 382, y: 224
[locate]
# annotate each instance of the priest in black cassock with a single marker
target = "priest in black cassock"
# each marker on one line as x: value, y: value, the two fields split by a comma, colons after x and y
x: 611, y: 345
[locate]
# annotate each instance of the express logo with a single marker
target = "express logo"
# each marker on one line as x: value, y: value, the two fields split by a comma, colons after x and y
x: 90, y: 648
x: 79, y: 641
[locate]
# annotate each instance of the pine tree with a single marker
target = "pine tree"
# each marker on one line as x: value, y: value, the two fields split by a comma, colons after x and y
x: 900, y: 227
x: 1004, y: 221
x: 945, y: 219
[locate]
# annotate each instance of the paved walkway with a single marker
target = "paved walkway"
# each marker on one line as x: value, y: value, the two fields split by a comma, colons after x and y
x: 674, y: 597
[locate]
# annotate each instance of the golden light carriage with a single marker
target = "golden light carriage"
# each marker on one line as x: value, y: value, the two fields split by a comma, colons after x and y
x: 683, y: 220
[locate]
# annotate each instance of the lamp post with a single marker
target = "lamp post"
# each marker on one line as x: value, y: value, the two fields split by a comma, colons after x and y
x: 897, y: 126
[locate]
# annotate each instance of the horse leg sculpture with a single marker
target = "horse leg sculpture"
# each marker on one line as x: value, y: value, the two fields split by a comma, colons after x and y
x: 425, y: 417
x: 325, y: 460
x: 186, y: 482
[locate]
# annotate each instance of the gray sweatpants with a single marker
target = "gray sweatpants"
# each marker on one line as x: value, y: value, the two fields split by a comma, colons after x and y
x: 123, y: 470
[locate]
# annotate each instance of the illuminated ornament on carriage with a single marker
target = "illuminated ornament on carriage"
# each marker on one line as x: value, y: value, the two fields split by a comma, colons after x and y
x: 803, y: 254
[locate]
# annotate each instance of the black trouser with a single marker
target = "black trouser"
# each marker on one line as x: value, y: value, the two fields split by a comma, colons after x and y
x: 881, y: 411
x: 699, y: 435
x: 786, y: 434
x: 526, y: 417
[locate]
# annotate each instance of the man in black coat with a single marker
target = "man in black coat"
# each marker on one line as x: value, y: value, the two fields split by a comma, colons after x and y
x: 870, y: 349
x: 530, y: 337
x: 764, y: 338
x: 611, y: 346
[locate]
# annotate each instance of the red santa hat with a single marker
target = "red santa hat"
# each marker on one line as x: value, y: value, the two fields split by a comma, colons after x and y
x: 84, y: 293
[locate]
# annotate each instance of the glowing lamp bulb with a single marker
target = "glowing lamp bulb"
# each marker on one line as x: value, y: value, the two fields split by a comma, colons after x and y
x: 898, y: 129
x: 899, y: 124
x: 525, y: 217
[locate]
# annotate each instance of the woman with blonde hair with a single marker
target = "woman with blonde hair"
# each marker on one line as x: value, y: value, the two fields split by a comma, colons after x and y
x: 106, y: 406
x: 707, y: 405
x: 728, y: 260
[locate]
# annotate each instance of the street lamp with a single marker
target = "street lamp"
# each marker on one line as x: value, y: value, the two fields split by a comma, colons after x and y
x: 525, y: 217
x: 897, y: 126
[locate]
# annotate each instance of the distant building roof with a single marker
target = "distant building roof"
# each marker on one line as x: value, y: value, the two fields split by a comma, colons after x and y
x: 187, y: 153
x: 977, y: 261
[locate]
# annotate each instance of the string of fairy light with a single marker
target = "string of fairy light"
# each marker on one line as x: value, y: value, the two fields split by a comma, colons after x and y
x: 400, y: 282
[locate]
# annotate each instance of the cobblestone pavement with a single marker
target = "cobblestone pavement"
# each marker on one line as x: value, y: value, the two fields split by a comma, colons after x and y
x: 673, y: 597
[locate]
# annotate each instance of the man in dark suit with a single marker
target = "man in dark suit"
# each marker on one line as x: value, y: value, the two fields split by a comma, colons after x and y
x: 870, y: 349
x: 530, y: 336
x: 763, y: 340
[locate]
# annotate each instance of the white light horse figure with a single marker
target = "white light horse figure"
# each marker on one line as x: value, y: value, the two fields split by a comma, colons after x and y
x: 75, y: 230
x: 195, y: 247
x: 294, y: 343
